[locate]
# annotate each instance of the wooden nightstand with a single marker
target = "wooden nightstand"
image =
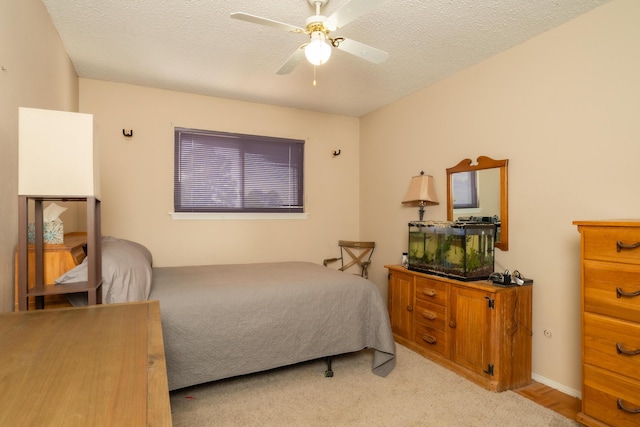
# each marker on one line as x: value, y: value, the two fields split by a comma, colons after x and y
x: 58, y: 259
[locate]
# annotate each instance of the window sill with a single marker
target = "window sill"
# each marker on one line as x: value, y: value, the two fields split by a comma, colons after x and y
x: 215, y: 216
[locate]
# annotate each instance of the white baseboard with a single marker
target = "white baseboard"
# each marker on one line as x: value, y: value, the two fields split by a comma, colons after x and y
x: 561, y: 387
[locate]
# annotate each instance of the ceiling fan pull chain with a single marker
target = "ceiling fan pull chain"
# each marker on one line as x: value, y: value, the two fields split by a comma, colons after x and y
x: 314, y: 75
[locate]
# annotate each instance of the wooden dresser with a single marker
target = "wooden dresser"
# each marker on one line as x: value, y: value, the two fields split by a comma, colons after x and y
x: 102, y: 365
x: 481, y: 331
x: 58, y: 259
x: 610, y: 261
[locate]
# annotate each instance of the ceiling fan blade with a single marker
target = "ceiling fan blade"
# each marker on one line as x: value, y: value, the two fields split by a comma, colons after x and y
x: 363, y: 51
x: 267, y: 22
x: 351, y: 11
x: 293, y: 61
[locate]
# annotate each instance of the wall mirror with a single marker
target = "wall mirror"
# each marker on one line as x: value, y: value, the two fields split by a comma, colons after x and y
x: 480, y: 190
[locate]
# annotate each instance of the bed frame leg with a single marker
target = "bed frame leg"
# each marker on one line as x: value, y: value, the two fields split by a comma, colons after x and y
x: 329, y: 372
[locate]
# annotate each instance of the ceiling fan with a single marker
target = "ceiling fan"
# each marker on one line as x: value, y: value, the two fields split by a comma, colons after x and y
x: 318, y: 49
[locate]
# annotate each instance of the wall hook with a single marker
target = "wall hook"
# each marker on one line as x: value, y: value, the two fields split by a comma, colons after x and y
x: 336, y: 153
x: 127, y: 134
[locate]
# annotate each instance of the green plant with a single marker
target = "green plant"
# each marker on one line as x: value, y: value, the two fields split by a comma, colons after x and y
x: 473, y: 258
x: 444, y: 245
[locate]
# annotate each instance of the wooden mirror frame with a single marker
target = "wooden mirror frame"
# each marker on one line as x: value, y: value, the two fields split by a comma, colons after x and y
x: 485, y: 163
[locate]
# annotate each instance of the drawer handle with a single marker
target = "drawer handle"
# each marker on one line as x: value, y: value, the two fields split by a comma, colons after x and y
x: 621, y: 350
x: 620, y: 293
x: 429, y: 339
x: 620, y: 246
x: 429, y: 315
x: 631, y: 411
x: 429, y: 292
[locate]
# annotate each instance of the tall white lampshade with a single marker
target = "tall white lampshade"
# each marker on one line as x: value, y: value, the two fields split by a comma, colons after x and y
x: 421, y: 192
x: 57, y: 154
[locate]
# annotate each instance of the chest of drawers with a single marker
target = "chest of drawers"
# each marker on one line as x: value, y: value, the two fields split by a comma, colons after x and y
x: 478, y: 330
x: 610, y: 263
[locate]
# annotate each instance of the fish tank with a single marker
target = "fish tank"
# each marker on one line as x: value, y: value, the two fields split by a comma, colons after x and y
x: 495, y: 219
x: 459, y: 250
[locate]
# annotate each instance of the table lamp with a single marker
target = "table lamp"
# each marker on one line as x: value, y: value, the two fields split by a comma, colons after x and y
x: 421, y: 192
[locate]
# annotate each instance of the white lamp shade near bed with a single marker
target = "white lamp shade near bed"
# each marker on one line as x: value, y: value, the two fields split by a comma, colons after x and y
x: 57, y: 154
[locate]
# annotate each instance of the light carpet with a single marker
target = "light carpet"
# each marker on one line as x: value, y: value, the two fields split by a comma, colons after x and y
x: 417, y: 392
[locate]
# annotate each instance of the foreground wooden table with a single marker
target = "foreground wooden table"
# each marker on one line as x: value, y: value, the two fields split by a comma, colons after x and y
x: 95, y: 366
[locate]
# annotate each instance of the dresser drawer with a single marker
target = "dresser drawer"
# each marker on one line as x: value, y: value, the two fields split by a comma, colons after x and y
x: 612, y: 289
x: 603, y: 392
x: 431, y: 339
x: 431, y: 290
x: 612, y: 344
x: 431, y: 315
x: 602, y: 243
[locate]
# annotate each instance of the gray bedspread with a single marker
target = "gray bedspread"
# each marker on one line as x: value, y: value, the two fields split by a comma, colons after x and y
x: 220, y: 321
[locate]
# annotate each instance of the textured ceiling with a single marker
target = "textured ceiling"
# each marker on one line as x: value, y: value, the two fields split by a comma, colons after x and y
x: 194, y: 45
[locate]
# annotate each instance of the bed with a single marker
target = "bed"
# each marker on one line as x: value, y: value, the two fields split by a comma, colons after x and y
x: 220, y: 321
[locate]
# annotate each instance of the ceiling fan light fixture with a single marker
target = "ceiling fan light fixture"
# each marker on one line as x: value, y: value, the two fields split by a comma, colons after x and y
x: 318, y: 50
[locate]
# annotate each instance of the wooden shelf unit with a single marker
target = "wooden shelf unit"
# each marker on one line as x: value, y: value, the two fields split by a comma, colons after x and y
x: 478, y: 330
x: 40, y: 288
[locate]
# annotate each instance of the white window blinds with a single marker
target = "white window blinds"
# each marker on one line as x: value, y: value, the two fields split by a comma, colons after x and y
x: 226, y: 172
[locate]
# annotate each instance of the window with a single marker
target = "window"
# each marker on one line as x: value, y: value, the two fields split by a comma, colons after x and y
x: 465, y: 189
x: 227, y: 172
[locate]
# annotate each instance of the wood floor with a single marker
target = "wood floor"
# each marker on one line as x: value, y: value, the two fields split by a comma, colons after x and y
x: 551, y: 398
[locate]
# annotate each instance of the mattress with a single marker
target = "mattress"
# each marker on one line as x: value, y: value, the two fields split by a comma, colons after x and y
x: 221, y: 321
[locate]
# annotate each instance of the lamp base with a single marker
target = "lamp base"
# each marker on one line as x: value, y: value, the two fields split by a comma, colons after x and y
x: 421, y: 212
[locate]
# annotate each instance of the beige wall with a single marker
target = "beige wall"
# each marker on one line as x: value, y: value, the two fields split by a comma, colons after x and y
x: 564, y: 109
x: 137, y: 176
x: 36, y: 72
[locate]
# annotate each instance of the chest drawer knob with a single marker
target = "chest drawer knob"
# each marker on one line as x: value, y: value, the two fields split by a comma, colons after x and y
x: 621, y: 350
x: 625, y: 409
x: 429, y: 315
x: 429, y: 292
x: 620, y: 293
x: 620, y: 246
x: 429, y: 339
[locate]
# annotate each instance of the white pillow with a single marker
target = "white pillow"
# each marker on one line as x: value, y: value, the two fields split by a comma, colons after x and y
x: 126, y: 271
